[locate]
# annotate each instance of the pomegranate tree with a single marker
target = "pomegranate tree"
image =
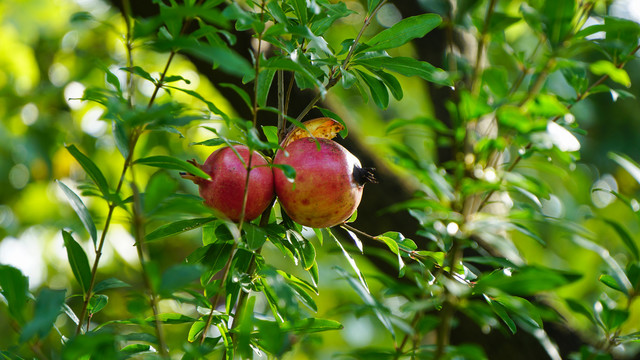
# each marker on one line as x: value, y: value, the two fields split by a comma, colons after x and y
x: 328, y: 185
x: 225, y: 191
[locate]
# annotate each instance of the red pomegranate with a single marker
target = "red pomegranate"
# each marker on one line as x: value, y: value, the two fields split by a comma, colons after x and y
x: 328, y: 185
x: 225, y: 191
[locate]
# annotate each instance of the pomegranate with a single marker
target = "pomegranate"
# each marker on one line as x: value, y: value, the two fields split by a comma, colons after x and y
x: 328, y: 185
x: 225, y: 191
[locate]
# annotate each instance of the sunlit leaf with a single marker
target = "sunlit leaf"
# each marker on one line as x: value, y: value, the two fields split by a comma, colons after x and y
x: 310, y: 325
x: 404, y: 31
x: 168, y: 162
x: 92, y: 170
x: 626, y: 238
x: 177, y: 227
x: 80, y: 209
x: 97, y: 303
x: 628, y: 164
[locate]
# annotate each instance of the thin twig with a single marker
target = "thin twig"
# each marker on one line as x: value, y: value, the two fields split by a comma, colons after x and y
x: 579, y: 98
x: 336, y: 74
x: 138, y: 230
x: 475, y: 78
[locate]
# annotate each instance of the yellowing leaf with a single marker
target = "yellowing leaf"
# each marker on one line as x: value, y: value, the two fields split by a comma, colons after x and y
x: 324, y: 127
x: 604, y: 67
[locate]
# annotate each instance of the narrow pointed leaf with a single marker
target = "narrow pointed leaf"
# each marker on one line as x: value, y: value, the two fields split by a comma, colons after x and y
x: 91, y: 169
x: 404, y: 31
x: 78, y: 261
x: 168, y: 162
x: 177, y: 227
x: 626, y: 238
x: 80, y: 209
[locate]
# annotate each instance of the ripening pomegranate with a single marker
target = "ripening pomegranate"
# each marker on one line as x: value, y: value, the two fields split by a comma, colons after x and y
x: 225, y: 191
x: 328, y: 185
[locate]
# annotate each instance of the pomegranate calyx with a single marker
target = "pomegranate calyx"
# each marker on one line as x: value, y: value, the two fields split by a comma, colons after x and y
x: 364, y: 175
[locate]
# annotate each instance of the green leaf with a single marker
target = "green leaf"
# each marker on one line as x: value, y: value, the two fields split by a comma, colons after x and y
x: 296, y: 280
x: 378, y: 90
x: 310, y: 325
x: 626, y: 238
x: 288, y: 170
x: 78, y: 261
x: 133, y: 349
x: 558, y: 20
x: 497, y: 79
x: 525, y: 281
x: 212, y: 257
x: 211, y: 106
x: 220, y: 56
x: 613, y: 318
x: 404, y: 31
x: 611, y: 282
x: 426, y: 122
x: 616, y: 271
x: 159, y: 187
x: 408, y: 67
x: 579, y: 308
x: 170, y: 318
x: 255, y: 236
x: 628, y: 164
x: 265, y: 78
x: 499, y: 309
x: 91, y: 169
x: 120, y: 138
x: 81, y: 16
x: 353, y: 264
x: 391, y: 83
x: 168, y: 162
x: 48, y: 306
x: 372, y: 5
x: 111, y: 283
x: 178, y: 277
x: 282, y: 63
x: 271, y: 133
x: 137, y: 70
x: 177, y: 227
x: 239, y: 267
x: 227, y: 339
x: 238, y: 90
x: 392, y: 244
x: 364, y: 293
x: 15, y: 289
x: 472, y: 107
x: 80, y: 209
x: 605, y: 67
x: 97, y: 303
x: 195, y: 331
x: 86, y: 346
x: 304, y: 248
x: 303, y: 296
x: 300, y: 8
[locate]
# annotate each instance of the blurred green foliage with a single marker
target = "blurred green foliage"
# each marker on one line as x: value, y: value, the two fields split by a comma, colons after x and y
x: 563, y: 251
